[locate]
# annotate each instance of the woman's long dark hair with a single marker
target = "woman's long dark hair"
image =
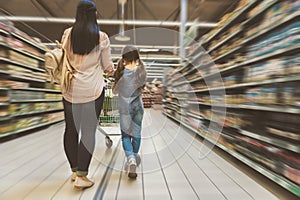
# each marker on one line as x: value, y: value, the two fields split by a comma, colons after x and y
x: 130, y: 54
x: 85, y: 32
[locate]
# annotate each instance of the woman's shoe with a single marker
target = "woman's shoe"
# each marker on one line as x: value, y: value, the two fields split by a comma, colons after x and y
x: 132, y: 168
x: 82, y: 182
x: 73, y: 176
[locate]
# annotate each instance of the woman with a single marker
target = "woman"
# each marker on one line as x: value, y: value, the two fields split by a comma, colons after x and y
x: 88, y: 52
x: 130, y: 78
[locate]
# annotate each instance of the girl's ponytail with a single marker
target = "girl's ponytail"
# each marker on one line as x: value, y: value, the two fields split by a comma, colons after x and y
x: 118, y: 74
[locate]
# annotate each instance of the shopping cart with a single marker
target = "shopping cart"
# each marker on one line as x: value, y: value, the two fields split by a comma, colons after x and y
x: 109, y: 117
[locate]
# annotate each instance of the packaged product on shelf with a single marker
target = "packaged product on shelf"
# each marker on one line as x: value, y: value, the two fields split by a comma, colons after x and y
x: 297, y: 96
x: 284, y: 125
x: 6, y: 26
x: 52, y: 96
x: 27, y: 37
x: 292, y: 173
x: 194, y: 122
x: 3, y: 39
x: 258, y: 8
x: 252, y: 96
x: 40, y: 75
x: 16, y: 70
x: 26, y: 95
x: 4, y: 111
x: 7, y: 127
x: 17, y: 84
x: 285, y: 38
x: 20, y: 108
x: 283, y: 133
x: 292, y: 65
x: 23, y: 59
x: 230, y: 80
x: 268, y: 95
x: 235, y: 99
x: 4, y: 98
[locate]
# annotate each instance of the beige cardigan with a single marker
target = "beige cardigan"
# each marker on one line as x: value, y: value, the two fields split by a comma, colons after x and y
x: 88, y: 82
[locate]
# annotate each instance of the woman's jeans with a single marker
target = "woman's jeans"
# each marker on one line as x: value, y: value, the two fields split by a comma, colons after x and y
x: 81, y: 118
x: 131, y: 126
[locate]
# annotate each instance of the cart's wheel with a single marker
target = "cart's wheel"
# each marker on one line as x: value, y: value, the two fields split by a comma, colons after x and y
x: 108, y: 142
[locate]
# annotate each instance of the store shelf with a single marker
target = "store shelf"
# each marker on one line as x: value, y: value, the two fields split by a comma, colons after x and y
x: 224, y: 41
x: 180, y: 83
x: 230, y: 22
x: 28, y: 54
x: 273, y: 141
x: 195, y: 116
x: 29, y: 128
x: 35, y: 100
x: 231, y: 52
x: 21, y: 65
x: 257, y: 109
x: 251, y: 61
x: 271, y: 28
x: 28, y: 42
x: 241, y: 85
x: 38, y: 89
x: 4, y: 32
x: 22, y: 52
x: 292, y: 187
x: 170, y: 108
x: 189, y: 62
x: 27, y: 79
x: 4, y: 103
x: 199, y: 55
x: 280, y: 109
x: 258, y: 14
x: 170, y: 116
x: 3, y: 89
x: 4, y: 72
x: 36, y: 112
x: 5, y: 118
x: 277, y: 53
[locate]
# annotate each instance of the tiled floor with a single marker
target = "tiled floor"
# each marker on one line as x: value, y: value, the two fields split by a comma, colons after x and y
x: 34, y: 167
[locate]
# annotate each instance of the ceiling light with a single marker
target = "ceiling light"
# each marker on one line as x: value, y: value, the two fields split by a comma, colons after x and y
x: 121, y: 36
x: 149, y: 50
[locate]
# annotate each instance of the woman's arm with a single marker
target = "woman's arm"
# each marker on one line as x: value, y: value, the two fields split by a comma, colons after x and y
x: 106, y: 61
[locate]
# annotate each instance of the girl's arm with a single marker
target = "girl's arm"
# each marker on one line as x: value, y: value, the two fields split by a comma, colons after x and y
x: 142, y: 75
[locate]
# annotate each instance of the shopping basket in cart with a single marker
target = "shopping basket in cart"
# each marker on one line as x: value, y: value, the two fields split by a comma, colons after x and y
x: 109, y: 117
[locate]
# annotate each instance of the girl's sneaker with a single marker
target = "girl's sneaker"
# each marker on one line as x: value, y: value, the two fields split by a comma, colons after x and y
x: 132, y: 168
x: 138, y: 159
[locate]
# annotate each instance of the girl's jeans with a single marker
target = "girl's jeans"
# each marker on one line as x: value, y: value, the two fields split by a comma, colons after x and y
x: 131, y: 126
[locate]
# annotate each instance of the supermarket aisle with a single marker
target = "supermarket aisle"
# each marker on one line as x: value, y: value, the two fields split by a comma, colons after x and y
x: 34, y: 167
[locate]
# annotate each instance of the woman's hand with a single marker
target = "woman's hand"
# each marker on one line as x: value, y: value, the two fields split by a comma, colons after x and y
x: 109, y: 72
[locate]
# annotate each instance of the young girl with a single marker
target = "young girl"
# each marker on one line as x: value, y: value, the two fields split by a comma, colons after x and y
x: 130, y: 78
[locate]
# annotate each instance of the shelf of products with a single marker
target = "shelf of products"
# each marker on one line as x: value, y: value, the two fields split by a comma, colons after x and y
x: 255, y: 52
x: 27, y: 100
x: 246, y: 158
x: 152, y: 94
